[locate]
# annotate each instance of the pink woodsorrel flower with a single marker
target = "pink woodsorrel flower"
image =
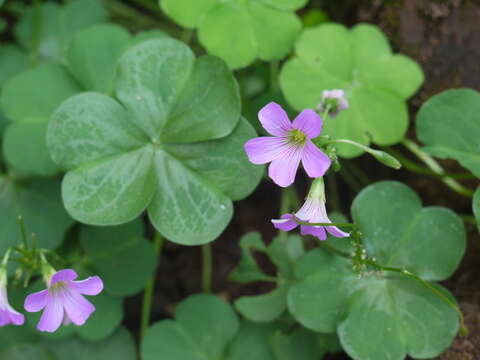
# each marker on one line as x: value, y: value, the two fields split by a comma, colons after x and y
x: 312, y: 211
x: 335, y: 100
x: 63, y: 300
x: 290, y: 144
x: 8, y: 315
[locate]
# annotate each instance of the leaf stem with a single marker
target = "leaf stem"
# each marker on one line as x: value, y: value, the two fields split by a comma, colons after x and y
x: 437, y: 168
x: 207, y: 265
x: 187, y: 36
x: 148, y: 294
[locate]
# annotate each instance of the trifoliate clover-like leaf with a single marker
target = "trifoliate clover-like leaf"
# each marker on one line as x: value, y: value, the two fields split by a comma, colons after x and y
x: 449, y: 126
x: 63, y: 22
x: 30, y: 98
x: 172, y: 143
x: 376, y: 82
x: 240, y: 31
x: 389, y: 315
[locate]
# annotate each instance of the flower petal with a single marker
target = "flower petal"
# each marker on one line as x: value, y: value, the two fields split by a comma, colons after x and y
x: 317, y: 231
x: 52, y: 315
x: 309, y: 122
x: 315, y: 162
x: 65, y: 275
x: 91, y: 286
x: 262, y: 150
x: 274, y: 119
x: 333, y: 230
x: 283, y: 169
x: 77, y: 308
x: 286, y: 223
x: 36, y: 301
x: 15, y: 317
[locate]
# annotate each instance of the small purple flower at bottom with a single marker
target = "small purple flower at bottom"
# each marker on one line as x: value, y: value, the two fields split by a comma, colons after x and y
x: 312, y: 211
x: 8, y: 315
x: 63, y: 300
x: 290, y: 144
x: 335, y: 100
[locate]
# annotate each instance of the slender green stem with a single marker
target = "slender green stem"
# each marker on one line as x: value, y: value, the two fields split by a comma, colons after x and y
x: 36, y: 31
x: 148, y: 294
x: 274, y: 68
x: 187, y: 36
x: 324, y: 115
x: 463, y: 328
x: 435, y: 167
x: 207, y: 265
x: 23, y: 232
x: 417, y: 168
x: 347, y: 225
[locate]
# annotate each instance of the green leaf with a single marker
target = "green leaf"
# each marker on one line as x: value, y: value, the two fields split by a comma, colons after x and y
x: 251, y: 342
x: 177, y: 138
x: 203, y: 328
x: 429, y: 242
x: 93, y: 54
x: 36, y: 93
x: 390, y: 315
x: 26, y: 352
x: 124, y: 259
x: 28, y: 99
x: 104, y: 321
x: 476, y: 206
x: 359, y: 61
x: 63, y: 22
x: 263, y: 308
x: 119, y: 346
x: 449, y: 125
x: 12, y: 61
x: 24, y: 139
x: 39, y: 203
x: 283, y: 252
x: 301, y: 344
x: 248, y: 270
x: 269, y: 28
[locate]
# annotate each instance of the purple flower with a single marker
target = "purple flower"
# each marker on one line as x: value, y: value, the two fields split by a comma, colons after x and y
x: 7, y: 314
x: 290, y: 144
x: 63, y: 301
x: 335, y: 100
x: 312, y: 211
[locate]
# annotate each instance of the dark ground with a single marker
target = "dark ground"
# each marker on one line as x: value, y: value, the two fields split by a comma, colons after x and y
x: 444, y: 37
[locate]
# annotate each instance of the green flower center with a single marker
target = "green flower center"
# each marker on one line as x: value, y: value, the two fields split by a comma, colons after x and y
x: 59, y: 286
x: 297, y: 137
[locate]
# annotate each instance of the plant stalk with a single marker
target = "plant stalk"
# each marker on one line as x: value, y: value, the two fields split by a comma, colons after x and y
x: 149, y: 290
x: 207, y: 266
x: 437, y: 168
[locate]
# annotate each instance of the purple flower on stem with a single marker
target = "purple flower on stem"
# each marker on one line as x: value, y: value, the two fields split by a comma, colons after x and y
x: 312, y: 211
x: 334, y: 100
x: 290, y: 144
x: 63, y: 300
x: 8, y: 315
